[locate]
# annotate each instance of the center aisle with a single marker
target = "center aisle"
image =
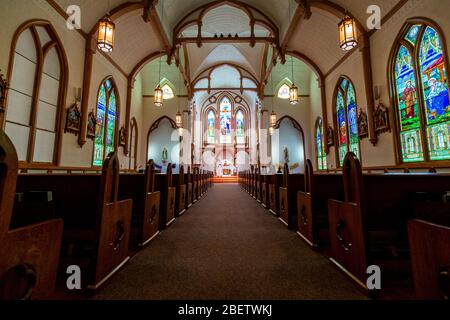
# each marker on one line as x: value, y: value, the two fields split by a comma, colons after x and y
x: 228, y: 247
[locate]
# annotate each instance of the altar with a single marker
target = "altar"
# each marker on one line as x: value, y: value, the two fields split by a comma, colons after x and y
x: 225, y: 170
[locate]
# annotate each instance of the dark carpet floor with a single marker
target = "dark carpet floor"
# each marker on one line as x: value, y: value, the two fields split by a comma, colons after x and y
x: 228, y: 247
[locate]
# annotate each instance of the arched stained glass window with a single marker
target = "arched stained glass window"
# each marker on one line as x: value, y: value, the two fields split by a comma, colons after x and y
x: 105, y: 132
x: 211, y: 131
x: 167, y: 92
x: 284, y: 92
x: 422, y: 95
x: 240, y: 127
x: 346, y: 120
x: 225, y: 121
x: 320, y: 146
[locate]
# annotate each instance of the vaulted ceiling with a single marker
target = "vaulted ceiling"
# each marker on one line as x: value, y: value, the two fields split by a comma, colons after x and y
x: 316, y: 37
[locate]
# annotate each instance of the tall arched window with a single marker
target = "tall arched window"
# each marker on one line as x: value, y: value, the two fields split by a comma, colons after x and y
x: 240, y: 127
x: 107, y: 117
x: 419, y: 80
x: 346, y: 119
x: 284, y: 92
x: 225, y: 120
x: 320, y: 146
x: 211, y: 130
x: 36, y: 99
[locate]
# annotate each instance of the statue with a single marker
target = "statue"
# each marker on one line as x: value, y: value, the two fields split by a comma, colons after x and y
x: 286, y: 155
x: 164, y: 156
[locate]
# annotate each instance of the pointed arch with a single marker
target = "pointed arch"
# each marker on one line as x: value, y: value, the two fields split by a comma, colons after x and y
x: 133, y: 143
x: 35, y: 108
x: 418, y: 78
x: 320, y: 142
x: 345, y: 112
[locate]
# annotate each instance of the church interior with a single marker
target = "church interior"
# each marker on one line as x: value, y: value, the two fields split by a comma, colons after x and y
x: 224, y: 149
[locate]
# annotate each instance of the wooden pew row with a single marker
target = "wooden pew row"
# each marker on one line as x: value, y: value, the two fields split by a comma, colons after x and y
x: 430, y: 255
x: 146, y: 204
x: 96, y: 224
x: 312, y: 205
x: 291, y: 184
x: 24, y: 273
x: 190, y: 188
x: 181, y: 192
x: 370, y: 226
x: 163, y: 183
x: 274, y: 194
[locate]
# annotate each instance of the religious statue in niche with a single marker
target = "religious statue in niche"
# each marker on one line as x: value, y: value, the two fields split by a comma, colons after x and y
x: 330, y: 136
x: 286, y: 155
x: 91, y: 125
x: 363, y: 125
x: 381, y: 119
x: 165, y: 156
x: 73, y: 119
x: 122, y: 137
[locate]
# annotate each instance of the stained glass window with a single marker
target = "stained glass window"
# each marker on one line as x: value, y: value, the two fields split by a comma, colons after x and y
x: 423, y: 114
x: 347, y: 120
x: 284, y: 92
x: 225, y: 121
x: 320, y: 147
x: 104, y: 141
x: 211, y: 135
x: 240, y: 127
x: 167, y: 92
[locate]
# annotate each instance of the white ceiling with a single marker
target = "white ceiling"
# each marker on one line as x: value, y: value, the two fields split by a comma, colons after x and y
x: 316, y: 38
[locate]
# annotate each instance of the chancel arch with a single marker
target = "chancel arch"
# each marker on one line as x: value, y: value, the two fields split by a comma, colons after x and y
x: 288, y: 145
x: 38, y: 74
x: 163, y: 144
x: 419, y: 83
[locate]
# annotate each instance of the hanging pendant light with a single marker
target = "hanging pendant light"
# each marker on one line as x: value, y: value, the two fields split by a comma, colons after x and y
x: 273, y: 115
x: 179, y: 119
x: 273, y: 119
x: 159, y: 94
x: 105, y: 34
x: 347, y: 33
x: 271, y: 130
x: 293, y: 91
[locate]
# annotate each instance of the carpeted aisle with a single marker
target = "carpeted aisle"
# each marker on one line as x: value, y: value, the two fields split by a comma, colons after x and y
x: 228, y: 247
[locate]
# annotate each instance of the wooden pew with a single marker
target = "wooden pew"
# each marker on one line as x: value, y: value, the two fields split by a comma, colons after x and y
x: 28, y: 255
x: 370, y: 226
x: 312, y: 205
x: 292, y: 183
x: 195, y: 182
x: 265, y: 179
x: 430, y: 255
x: 96, y: 225
x: 146, y: 202
x: 274, y: 192
x: 258, y: 184
x: 168, y: 193
x: 190, y: 189
x: 179, y: 183
x: 253, y: 182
